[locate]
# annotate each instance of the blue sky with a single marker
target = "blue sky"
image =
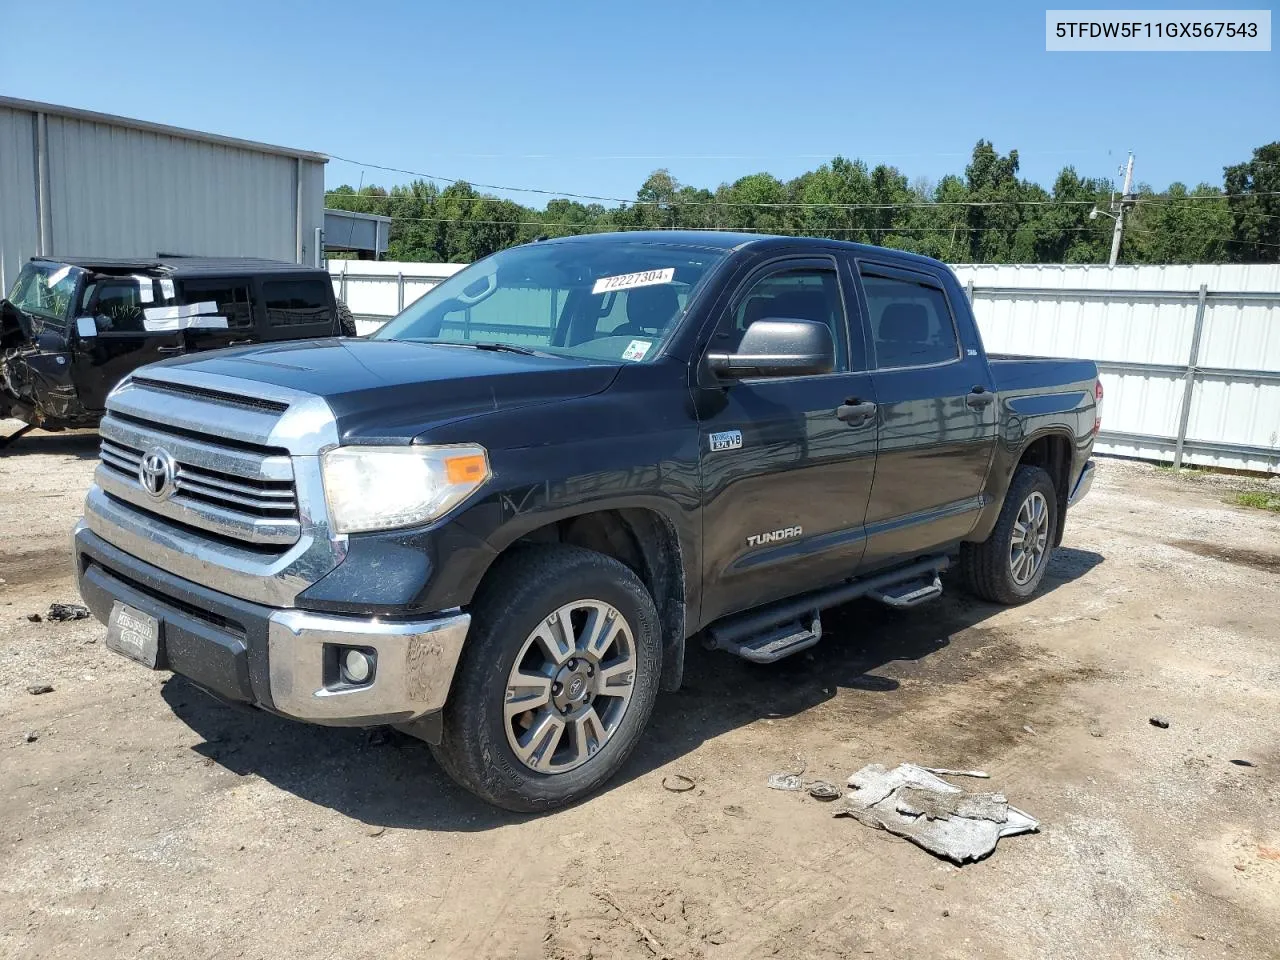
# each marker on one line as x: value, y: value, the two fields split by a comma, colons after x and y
x: 590, y: 97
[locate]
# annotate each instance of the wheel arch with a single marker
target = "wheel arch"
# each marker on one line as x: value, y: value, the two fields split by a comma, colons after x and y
x: 1051, y: 450
x: 646, y: 541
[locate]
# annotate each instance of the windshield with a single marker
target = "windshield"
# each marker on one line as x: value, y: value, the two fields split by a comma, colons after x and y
x: 601, y: 301
x: 46, y: 289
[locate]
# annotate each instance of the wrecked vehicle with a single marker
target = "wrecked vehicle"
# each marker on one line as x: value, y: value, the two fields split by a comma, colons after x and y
x: 70, y: 330
x: 496, y: 522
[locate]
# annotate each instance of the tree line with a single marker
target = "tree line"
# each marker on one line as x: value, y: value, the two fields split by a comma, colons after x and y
x: 988, y: 215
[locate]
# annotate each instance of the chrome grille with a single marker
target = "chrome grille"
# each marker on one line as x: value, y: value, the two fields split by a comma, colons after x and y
x: 232, y: 491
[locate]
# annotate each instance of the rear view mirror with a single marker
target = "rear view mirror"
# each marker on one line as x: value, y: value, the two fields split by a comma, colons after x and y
x: 778, y: 348
x: 86, y: 327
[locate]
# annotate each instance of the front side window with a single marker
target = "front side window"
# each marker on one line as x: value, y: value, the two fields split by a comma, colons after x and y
x: 910, y: 322
x: 297, y: 302
x: 119, y: 307
x: 809, y: 293
x: 610, y: 300
x: 46, y: 290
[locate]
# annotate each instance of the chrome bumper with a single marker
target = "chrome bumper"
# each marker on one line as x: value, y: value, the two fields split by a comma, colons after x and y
x: 414, y: 668
x: 1082, y: 485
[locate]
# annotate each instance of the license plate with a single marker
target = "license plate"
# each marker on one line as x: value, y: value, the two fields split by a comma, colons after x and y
x: 134, y: 634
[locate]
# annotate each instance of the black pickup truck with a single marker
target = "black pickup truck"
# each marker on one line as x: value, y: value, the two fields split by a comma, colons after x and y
x: 497, y: 523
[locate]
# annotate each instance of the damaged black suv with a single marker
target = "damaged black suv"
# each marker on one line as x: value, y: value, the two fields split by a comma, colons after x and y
x: 70, y: 330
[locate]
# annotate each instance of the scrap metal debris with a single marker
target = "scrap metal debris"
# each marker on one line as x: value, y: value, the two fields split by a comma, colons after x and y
x: 944, y: 772
x: 785, y: 781
x: 677, y: 783
x: 36, y: 689
x: 937, y: 816
x: 821, y: 790
x: 1160, y: 722
x: 60, y: 612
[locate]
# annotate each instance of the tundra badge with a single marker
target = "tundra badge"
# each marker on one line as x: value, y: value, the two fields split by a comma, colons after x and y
x: 728, y: 440
x: 786, y: 533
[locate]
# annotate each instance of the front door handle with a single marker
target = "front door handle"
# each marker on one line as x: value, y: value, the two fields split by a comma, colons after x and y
x: 236, y: 343
x: 176, y: 348
x: 855, y: 411
x: 979, y: 397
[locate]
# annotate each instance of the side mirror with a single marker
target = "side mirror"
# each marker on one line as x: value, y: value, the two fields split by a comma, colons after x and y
x: 778, y: 348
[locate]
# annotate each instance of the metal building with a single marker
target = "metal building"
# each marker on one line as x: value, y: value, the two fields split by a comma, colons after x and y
x: 364, y: 234
x: 76, y: 183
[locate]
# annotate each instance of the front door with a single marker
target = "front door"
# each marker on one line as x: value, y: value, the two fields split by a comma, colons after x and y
x: 785, y: 479
x: 120, y: 341
x: 937, y: 418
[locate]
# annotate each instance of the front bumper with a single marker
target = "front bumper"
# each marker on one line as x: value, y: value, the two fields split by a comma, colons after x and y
x: 1082, y: 484
x: 284, y: 660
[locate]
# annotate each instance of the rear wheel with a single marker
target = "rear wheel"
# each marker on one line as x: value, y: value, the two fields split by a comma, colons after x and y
x: 557, y: 680
x: 1009, y: 565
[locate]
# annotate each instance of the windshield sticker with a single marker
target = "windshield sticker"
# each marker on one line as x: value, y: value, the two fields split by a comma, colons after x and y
x: 146, y: 290
x: 58, y: 275
x: 166, y: 288
x: 636, y: 350
x: 627, y: 281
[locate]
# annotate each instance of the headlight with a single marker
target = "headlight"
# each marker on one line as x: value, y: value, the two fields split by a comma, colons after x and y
x: 381, y: 488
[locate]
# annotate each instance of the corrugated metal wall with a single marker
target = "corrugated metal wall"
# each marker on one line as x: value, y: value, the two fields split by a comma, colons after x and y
x: 118, y: 191
x: 18, y: 229
x: 1139, y: 323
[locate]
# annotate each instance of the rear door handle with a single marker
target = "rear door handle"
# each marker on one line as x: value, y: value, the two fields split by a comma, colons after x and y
x: 176, y: 348
x: 855, y: 411
x: 979, y: 397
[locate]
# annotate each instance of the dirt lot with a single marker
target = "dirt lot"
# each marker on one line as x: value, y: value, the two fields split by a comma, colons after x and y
x: 146, y: 819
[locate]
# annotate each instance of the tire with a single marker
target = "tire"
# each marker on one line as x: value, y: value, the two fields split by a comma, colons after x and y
x: 989, y: 567
x: 346, y: 321
x: 511, y: 610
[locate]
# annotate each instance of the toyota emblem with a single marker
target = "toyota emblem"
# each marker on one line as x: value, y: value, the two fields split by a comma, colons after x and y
x: 155, y: 473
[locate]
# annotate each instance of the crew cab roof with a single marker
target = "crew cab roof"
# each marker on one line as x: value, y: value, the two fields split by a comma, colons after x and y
x: 178, y: 267
x: 727, y: 240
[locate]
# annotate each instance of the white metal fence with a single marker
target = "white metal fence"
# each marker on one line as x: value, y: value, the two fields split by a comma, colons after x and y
x: 1189, y: 355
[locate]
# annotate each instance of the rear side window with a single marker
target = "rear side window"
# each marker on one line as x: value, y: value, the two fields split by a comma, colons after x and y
x: 296, y: 302
x: 910, y: 322
x: 231, y: 296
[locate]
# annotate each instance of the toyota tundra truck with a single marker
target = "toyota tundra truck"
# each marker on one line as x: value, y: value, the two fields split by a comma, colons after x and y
x: 497, y: 523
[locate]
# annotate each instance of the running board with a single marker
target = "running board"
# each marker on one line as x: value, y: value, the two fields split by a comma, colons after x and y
x: 781, y: 641
x: 909, y: 594
x: 789, y: 626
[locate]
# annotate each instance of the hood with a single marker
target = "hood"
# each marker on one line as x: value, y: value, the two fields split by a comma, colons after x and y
x: 392, y: 390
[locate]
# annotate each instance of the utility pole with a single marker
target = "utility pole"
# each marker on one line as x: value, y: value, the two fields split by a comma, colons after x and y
x: 1125, y: 202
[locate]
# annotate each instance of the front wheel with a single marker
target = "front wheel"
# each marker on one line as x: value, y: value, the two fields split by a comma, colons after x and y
x: 557, y: 680
x: 1010, y: 564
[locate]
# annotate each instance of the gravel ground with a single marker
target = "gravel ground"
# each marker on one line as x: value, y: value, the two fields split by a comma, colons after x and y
x: 143, y: 818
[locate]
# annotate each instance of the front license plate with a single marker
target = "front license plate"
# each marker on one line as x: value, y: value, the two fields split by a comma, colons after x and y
x: 134, y: 634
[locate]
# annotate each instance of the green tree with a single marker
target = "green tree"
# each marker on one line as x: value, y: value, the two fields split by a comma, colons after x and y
x: 1253, y: 192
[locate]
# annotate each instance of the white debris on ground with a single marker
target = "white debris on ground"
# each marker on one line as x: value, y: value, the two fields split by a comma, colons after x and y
x: 937, y: 816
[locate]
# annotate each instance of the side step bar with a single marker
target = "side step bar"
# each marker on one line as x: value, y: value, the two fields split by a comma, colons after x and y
x: 912, y: 593
x: 789, y: 626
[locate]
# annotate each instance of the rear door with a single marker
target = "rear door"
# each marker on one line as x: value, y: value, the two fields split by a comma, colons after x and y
x: 937, y: 418
x: 232, y: 320
x: 785, y: 479
x: 122, y: 342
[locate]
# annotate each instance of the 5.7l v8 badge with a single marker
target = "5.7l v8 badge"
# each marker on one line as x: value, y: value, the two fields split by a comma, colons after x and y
x: 728, y: 440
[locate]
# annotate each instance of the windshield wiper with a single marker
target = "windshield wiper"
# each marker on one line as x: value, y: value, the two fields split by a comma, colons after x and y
x: 503, y: 348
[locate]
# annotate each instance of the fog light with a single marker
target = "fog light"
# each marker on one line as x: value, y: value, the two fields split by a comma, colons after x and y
x: 357, y: 666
